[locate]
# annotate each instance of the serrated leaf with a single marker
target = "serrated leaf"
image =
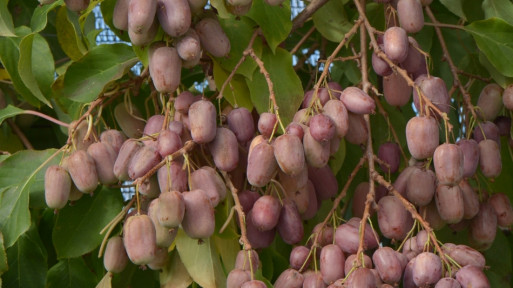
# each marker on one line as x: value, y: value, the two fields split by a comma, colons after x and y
x: 493, y: 37
x: 201, y: 261
x: 85, y: 79
x: 72, y: 273
x: 9, y: 57
x: 69, y: 40
x: 331, y: 20
x: 27, y: 262
x: 274, y: 21
x: 106, y: 281
x: 499, y: 8
x: 239, y: 32
x: 20, y: 181
x: 236, y: 92
x: 8, y: 112
x: 287, y: 85
x: 455, y: 6
x: 32, y: 47
x: 175, y: 275
x: 6, y: 25
x: 77, y: 229
x: 40, y: 16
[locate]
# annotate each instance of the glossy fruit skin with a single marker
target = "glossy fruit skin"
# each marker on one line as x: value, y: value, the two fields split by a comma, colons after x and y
x: 332, y: 263
x: 395, y: 43
x: 389, y: 152
x: 165, y: 67
x: 290, y: 226
x: 472, y: 276
x: 427, y: 269
x: 388, y: 265
x: 225, y: 150
x: 207, y: 179
x: 57, y: 187
x: 82, y: 170
x: 422, y: 136
x: 410, y: 15
x: 322, y: 128
x: 199, y: 220
x: 393, y: 219
x: 115, y: 257
x: 139, y: 239
x: 202, y: 119
x: 337, y: 111
x: 212, y: 37
x: 174, y: 16
x: 289, y: 154
x: 299, y: 256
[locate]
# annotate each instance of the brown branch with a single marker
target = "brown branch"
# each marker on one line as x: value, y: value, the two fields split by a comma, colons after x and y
x: 413, y: 211
x: 454, y: 69
x: 302, y: 40
x: 437, y: 24
x: 478, y: 77
x: 240, y: 212
x: 20, y: 134
x: 309, y: 10
x: 44, y: 116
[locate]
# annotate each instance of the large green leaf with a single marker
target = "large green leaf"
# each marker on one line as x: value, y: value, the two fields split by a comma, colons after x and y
x: 85, y: 79
x: 6, y: 25
x: 3, y: 256
x: 201, y: 260
x: 331, y: 20
x: 134, y: 276
x: 239, y: 32
x: 499, y: 8
x: 21, y: 175
x: 220, y: 6
x: 35, y: 54
x: 493, y: 37
x: 236, y: 92
x: 77, y: 228
x: 69, y: 38
x: 72, y: 273
x: 455, y: 6
x: 27, y: 262
x: 496, y: 75
x: 8, y: 112
x: 40, y: 16
x: 9, y: 57
x: 175, y: 275
x: 287, y: 86
x: 275, y: 21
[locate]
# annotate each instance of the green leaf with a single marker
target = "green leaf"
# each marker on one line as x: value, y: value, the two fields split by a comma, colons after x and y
x: 201, y: 261
x: 40, y: 16
x: 337, y: 160
x: 274, y: 21
x: 498, y: 256
x: 3, y: 256
x: 493, y: 37
x: 107, y: 8
x: 106, y: 281
x: 133, y: 276
x: 6, y: 25
x: 239, y: 32
x: 72, y: 273
x: 455, y: 6
x: 8, y: 112
x: 68, y: 36
x: 77, y: 228
x: 9, y: 58
x: 331, y: 20
x: 31, y: 48
x: 175, y: 275
x: 236, y: 92
x: 496, y: 75
x: 85, y: 79
x: 499, y: 8
x: 20, y: 181
x: 287, y: 85
x: 43, y: 65
x: 27, y: 262
x: 84, y: 14
x: 227, y: 250
x: 220, y: 6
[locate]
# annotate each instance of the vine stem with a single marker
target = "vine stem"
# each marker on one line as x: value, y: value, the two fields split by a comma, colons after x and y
x: 454, y: 69
x: 330, y: 59
x: 20, y: 134
x: 238, y: 207
x: 413, y: 211
x: 370, y: 199
x: 302, y: 40
x: 189, y: 145
x: 423, y: 99
x: 336, y: 203
x: 44, y: 116
x: 309, y: 10
x: 93, y: 105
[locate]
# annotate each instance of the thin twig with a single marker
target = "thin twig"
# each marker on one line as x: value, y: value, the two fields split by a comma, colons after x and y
x: 454, y: 69
x: 20, y: 134
x: 44, y: 116
x: 309, y: 10
x: 443, y: 25
x: 302, y: 40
